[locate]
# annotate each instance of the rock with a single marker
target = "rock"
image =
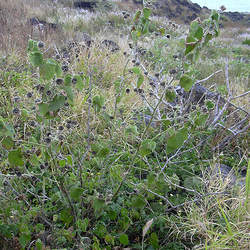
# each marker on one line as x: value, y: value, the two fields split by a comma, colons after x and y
x: 35, y: 21
x: 84, y: 38
x: 111, y: 45
x: 227, y: 175
x: 85, y: 5
x: 138, y: 2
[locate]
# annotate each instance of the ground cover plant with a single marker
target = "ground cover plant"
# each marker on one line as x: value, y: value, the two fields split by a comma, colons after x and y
x: 105, y: 148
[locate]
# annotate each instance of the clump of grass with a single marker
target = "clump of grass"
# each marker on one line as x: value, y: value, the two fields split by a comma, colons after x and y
x: 246, y: 42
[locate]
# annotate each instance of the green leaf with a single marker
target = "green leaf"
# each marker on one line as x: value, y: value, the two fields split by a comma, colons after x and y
x: 24, y: 239
x: 57, y: 102
x: 58, y: 69
x: 6, y: 129
x: 176, y: 141
x: 162, y: 31
x: 215, y: 15
x: 146, y: 12
x: 15, y: 157
x: 110, y: 239
x: 124, y: 239
x: 8, y: 143
x: 196, y: 30
x: 62, y: 163
x: 32, y: 46
x: 191, y: 43
x: 98, y: 102
x: 140, y: 81
x: 43, y: 108
x: 186, y: 82
x: 132, y: 129
x: 69, y: 160
x: 75, y: 193
x: 34, y: 161
x: 36, y: 58
x: 48, y: 69
x: 68, y: 79
x: 138, y: 202
x: 66, y: 216
x: 100, y: 230
x: 208, y: 38
x: 201, y: 120
x: 170, y: 95
x: 39, y: 245
x: 137, y: 16
x: 98, y: 204
x: 136, y: 70
x: 69, y: 91
x: 154, y: 241
x: 104, y: 152
x: 209, y: 104
x: 147, y: 147
x: 145, y: 29
x: 79, y: 82
x: 83, y: 224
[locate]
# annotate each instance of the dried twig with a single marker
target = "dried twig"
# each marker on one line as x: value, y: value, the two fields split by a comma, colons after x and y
x: 207, y: 78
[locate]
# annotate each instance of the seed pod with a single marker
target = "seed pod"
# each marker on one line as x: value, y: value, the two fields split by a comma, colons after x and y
x: 65, y: 68
x: 173, y: 71
x: 74, y: 80
x: 29, y: 95
x: 47, y: 140
x: 16, y: 111
x: 59, y: 81
x: 60, y: 128
x: 40, y: 44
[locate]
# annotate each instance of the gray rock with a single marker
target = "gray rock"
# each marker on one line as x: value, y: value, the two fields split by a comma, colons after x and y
x: 111, y: 45
x: 227, y: 175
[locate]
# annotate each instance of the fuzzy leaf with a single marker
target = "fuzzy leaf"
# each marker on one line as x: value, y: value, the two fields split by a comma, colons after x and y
x: 56, y: 103
x: 140, y: 81
x: 136, y: 70
x: 131, y: 130
x: 147, y: 147
x: 124, y: 239
x: 170, y: 95
x: 186, y: 82
x: 175, y: 141
x: 75, y: 193
x: 36, y: 58
x: 138, y: 202
x: 43, y: 108
x: 8, y: 143
x: 196, y: 30
x: 98, y: 204
x: 48, y: 69
x: 146, y: 12
x: 15, y: 157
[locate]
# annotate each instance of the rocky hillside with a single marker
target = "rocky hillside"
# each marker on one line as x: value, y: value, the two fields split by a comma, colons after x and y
x: 184, y: 11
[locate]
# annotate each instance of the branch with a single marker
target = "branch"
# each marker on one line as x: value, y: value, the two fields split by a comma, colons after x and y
x: 207, y: 78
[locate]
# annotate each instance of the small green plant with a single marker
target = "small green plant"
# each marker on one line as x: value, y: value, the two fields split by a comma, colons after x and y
x: 246, y: 42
